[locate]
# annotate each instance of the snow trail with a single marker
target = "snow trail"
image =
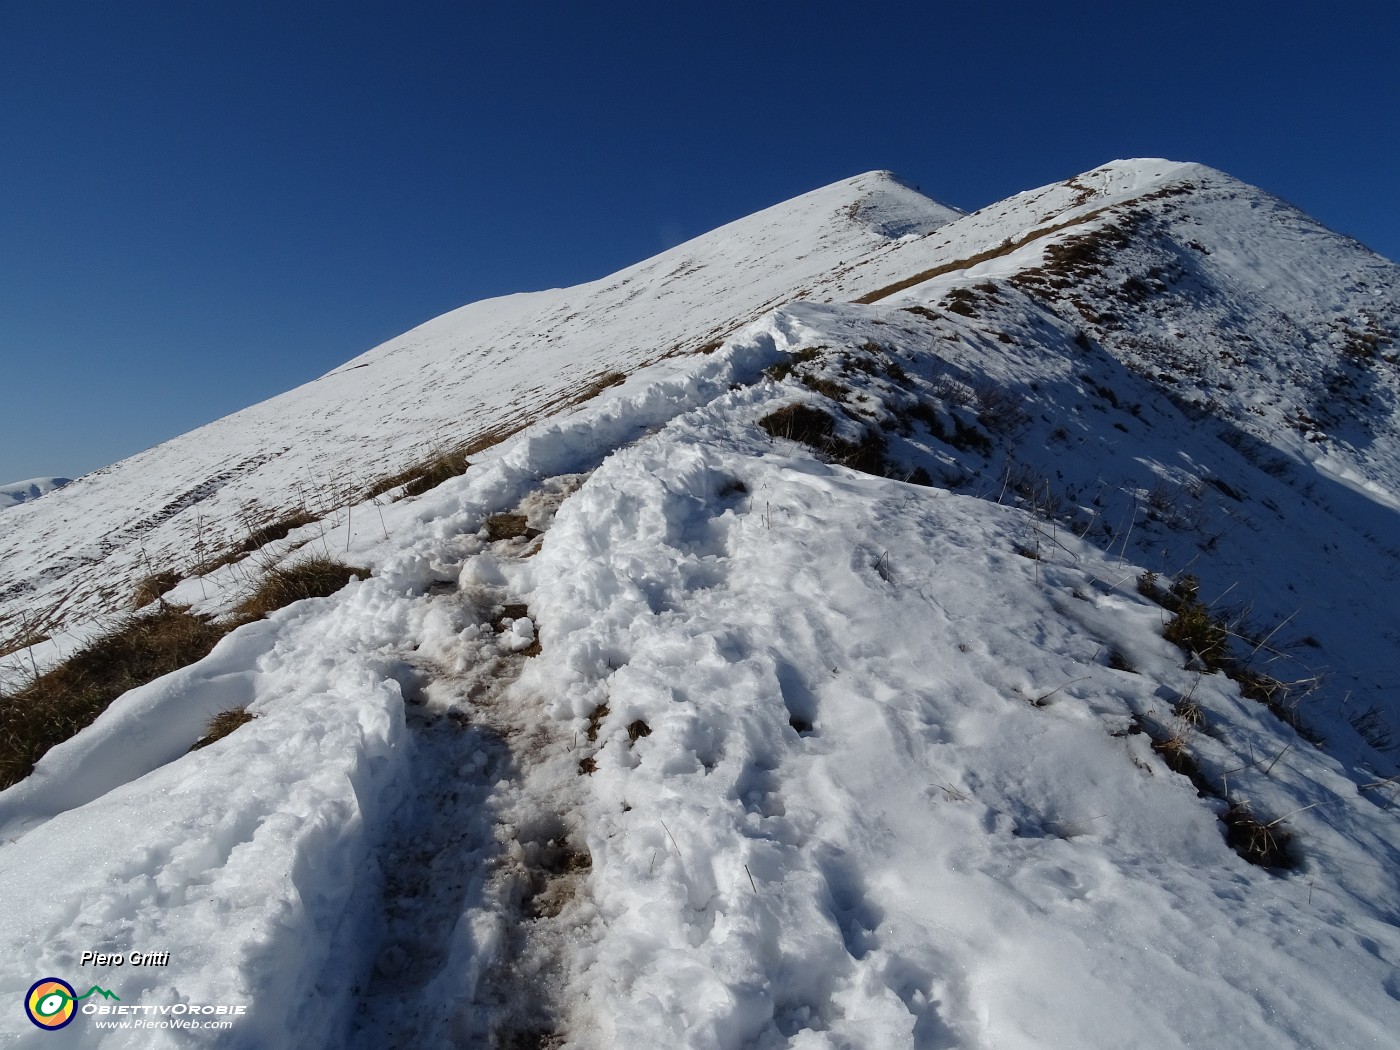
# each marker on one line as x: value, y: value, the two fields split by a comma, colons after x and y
x: 485, y: 863
x: 435, y: 870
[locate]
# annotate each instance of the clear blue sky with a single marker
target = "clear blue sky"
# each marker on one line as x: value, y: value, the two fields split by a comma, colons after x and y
x: 206, y: 202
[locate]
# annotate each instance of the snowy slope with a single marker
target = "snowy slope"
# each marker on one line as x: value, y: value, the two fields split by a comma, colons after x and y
x: 485, y: 368
x: 23, y: 491
x: 747, y: 748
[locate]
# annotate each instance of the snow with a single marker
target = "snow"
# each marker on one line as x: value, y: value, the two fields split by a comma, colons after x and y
x: 937, y: 862
x: 488, y: 366
x: 737, y: 747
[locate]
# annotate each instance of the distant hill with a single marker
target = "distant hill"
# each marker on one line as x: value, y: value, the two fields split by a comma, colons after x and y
x: 17, y: 492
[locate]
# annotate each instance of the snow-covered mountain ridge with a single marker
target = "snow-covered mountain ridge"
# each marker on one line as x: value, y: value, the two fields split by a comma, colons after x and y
x: 824, y: 701
x: 17, y: 492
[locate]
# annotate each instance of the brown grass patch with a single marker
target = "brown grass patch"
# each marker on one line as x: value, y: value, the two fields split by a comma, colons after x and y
x: 1193, y: 629
x: 317, y: 577
x: 1006, y: 247
x: 799, y: 422
x: 811, y: 426
x: 1264, y: 844
x: 784, y: 368
x: 491, y: 438
x: 66, y: 699
x: 506, y: 526
x: 595, y: 720
x: 826, y: 387
x: 442, y: 465
x: 263, y: 533
x: 423, y: 476
x: 22, y: 641
x: 221, y: 725
x: 150, y: 588
x: 600, y: 384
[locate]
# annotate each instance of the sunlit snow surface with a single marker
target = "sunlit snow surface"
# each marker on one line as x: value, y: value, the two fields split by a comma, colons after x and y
x: 806, y: 757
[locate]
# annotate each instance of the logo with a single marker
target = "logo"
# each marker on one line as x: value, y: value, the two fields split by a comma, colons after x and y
x: 51, y: 1003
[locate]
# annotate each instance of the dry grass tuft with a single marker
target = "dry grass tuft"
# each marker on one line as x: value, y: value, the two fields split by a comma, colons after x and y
x: 961, y: 301
x: 595, y: 720
x: 811, y: 426
x: 1193, y: 629
x: 507, y: 527
x: 799, y: 422
x: 221, y: 725
x: 23, y: 640
x: 784, y: 368
x: 262, y: 529
x: 826, y: 387
x: 260, y: 535
x: 442, y: 467
x: 317, y: 577
x: 421, y: 477
x: 1119, y: 662
x: 1177, y: 755
x: 150, y: 588
x: 1266, y: 845
x: 447, y: 462
x: 600, y: 384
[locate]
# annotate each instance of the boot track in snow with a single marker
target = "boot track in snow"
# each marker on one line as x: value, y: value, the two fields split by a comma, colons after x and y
x: 484, y: 861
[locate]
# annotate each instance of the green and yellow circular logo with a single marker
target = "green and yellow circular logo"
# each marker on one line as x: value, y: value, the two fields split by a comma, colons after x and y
x: 50, y: 1003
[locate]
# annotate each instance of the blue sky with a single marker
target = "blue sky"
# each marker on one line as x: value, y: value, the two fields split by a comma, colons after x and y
x: 203, y: 204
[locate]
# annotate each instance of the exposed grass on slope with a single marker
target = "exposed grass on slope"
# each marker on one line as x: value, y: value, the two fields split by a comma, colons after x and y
x: 811, y: 426
x: 784, y: 368
x: 1264, y: 844
x: 596, y: 387
x: 442, y: 464
x: 57, y: 704
x: 1197, y: 631
x: 424, y: 475
x: 23, y: 640
x: 1006, y: 247
x: 261, y: 533
x: 221, y: 725
x: 317, y: 577
x: 261, y: 528
x: 1074, y: 251
x: 440, y: 468
x: 150, y: 588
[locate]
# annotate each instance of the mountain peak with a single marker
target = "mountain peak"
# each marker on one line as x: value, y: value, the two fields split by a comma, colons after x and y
x: 863, y: 624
